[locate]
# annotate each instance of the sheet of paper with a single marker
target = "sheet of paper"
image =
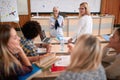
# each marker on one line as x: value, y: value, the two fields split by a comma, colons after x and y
x: 63, y: 61
x: 41, y: 50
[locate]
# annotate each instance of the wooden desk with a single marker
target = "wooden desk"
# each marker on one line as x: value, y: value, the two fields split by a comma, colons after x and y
x: 46, y: 74
x: 57, y: 49
x: 53, y: 40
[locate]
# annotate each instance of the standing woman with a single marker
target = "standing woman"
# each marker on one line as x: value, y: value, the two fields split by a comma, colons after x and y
x: 85, y: 22
x: 56, y: 23
x: 13, y: 61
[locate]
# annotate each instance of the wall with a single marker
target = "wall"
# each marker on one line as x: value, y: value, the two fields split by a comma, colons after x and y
x: 111, y: 7
x: 106, y: 7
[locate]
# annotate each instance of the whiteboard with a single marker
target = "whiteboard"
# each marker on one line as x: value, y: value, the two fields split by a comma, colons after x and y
x: 22, y: 7
x: 8, y: 11
x: 64, y: 5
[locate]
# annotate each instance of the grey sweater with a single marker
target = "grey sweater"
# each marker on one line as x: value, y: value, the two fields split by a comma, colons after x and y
x: 98, y: 74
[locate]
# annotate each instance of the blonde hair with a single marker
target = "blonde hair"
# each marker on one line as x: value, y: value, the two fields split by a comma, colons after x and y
x: 86, y: 54
x: 8, y: 59
x: 87, y: 10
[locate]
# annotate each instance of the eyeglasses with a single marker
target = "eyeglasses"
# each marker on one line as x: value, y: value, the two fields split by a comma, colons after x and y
x: 81, y: 8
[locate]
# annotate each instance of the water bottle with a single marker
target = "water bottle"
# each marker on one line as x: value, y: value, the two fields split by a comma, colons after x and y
x: 61, y: 39
x: 62, y: 44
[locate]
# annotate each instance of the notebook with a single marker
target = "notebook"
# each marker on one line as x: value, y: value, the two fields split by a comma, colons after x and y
x: 36, y: 70
x: 44, y: 38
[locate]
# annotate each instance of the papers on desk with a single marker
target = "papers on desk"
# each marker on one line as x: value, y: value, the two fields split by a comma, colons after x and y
x: 41, y: 50
x: 61, y: 64
x: 63, y: 61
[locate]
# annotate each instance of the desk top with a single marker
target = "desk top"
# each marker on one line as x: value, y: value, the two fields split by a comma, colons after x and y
x: 57, y: 49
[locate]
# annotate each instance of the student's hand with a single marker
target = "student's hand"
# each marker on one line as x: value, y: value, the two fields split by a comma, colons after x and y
x: 15, y: 49
x: 49, y: 46
x: 70, y: 40
x: 70, y: 47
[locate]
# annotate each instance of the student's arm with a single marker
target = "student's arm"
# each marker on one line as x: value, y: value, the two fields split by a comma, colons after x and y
x: 23, y: 57
x: 81, y: 24
x: 34, y: 58
x: 113, y: 71
x: 106, y: 56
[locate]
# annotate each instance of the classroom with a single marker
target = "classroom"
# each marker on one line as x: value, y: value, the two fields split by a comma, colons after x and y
x: 59, y: 39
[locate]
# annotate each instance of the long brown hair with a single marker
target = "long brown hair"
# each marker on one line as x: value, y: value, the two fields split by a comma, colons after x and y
x: 86, y: 54
x: 9, y: 61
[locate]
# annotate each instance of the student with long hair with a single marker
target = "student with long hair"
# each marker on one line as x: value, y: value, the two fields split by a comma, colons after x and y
x: 13, y: 61
x: 85, y: 61
x: 85, y: 22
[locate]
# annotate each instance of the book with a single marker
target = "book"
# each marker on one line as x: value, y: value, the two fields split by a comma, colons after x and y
x: 57, y: 68
x: 36, y: 70
x: 47, y: 60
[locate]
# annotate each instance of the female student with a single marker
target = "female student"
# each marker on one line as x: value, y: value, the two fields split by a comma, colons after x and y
x: 13, y: 61
x: 85, y: 22
x: 113, y: 69
x: 56, y: 23
x: 85, y: 61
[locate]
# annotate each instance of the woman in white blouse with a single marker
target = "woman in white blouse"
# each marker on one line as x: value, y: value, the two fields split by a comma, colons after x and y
x: 85, y: 22
x: 56, y: 23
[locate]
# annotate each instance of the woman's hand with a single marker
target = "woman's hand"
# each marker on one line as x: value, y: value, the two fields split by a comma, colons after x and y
x: 14, y: 48
x: 70, y: 47
x: 49, y: 46
x: 70, y: 40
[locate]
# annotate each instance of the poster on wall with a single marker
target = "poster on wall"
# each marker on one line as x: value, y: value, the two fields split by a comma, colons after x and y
x: 8, y: 11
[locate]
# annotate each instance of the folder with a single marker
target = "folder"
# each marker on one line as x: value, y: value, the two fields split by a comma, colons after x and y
x: 36, y: 70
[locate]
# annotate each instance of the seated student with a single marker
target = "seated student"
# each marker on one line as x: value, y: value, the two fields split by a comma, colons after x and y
x: 85, y: 60
x: 13, y: 61
x: 31, y: 30
x: 113, y: 69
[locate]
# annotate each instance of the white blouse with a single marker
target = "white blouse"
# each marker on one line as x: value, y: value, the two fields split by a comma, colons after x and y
x: 59, y: 31
x: 85, y: 25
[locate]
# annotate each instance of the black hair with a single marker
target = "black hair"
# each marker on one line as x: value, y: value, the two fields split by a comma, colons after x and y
x: 31, y: 29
